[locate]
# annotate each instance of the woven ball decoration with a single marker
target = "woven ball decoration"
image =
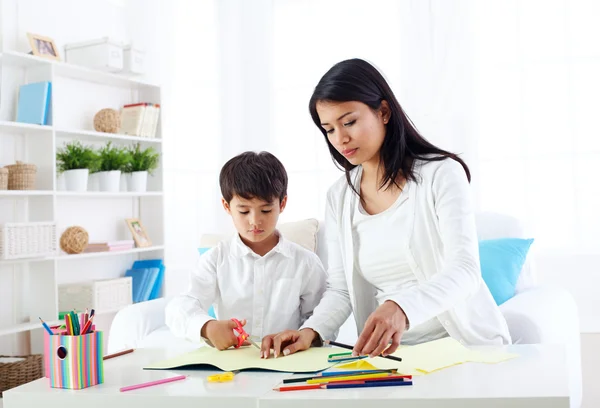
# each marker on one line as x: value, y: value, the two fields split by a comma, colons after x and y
x: 74, y: 240
x: 107, y: 120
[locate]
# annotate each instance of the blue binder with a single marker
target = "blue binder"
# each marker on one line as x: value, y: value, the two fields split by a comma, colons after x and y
x: 34, y: 103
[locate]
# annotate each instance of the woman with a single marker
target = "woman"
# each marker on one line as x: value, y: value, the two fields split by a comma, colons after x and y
x: 403, y: 250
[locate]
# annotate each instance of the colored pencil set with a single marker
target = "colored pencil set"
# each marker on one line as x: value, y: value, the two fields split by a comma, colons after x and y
x: 347, y: 379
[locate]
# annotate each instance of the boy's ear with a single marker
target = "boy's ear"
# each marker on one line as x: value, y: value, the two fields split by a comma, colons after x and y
x: 226, y: 206
x: 282, y: 204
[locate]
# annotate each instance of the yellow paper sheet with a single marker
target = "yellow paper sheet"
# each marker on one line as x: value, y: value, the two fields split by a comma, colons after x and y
x: 432, y: 356
x: 311, y: 360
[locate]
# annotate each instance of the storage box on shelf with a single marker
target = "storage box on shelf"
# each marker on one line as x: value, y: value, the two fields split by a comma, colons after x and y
x: 27, y: 239
x: 102, y: 295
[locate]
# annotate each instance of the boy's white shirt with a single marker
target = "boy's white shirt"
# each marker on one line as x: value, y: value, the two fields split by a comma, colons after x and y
x: 273, y: 293
x: 443, y: 253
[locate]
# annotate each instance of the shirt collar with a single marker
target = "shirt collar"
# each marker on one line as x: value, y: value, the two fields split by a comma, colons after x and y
x: 239, y: 249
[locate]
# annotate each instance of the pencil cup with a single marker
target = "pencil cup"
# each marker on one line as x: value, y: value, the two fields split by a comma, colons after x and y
x: 55, y: 330
x: 75, y: 362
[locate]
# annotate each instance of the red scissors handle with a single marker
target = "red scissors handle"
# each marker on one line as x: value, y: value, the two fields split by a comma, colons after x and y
x: 242, y: 335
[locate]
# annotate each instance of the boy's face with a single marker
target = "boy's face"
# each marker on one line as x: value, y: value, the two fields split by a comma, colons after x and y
x: 255, y: 220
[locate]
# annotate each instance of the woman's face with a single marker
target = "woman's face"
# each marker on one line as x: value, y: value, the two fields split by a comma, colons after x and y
x: 354, y: 129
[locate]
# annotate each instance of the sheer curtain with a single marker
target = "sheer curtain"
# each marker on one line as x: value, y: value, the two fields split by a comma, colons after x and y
x: 511, y: 85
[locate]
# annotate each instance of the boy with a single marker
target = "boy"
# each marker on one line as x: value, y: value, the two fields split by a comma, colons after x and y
x: 267, y: 282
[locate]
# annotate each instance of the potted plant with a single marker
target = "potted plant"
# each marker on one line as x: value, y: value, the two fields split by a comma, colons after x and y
x: 76, y: 161
x: 113, y: 160
x: 141, y: 163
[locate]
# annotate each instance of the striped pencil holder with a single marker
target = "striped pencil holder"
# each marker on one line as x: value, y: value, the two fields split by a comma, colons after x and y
x: 75, y: 362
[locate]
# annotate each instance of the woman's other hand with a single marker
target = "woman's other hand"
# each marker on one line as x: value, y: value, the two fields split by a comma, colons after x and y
x: 387, y: 322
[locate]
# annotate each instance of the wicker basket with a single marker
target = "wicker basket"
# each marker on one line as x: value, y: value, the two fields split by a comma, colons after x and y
x: 27, y: 239
x: 21, y: 176
x: 3, y: 178
x: 20, y: 372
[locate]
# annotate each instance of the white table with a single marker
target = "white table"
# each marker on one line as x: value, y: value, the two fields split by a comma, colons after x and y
x: 537, y: 378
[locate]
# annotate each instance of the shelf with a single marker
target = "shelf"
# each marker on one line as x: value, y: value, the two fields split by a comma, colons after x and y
x: 18, y: 328
x: 67, y: 70
x: 102, y: 194
x: 90, y: 135
x: 106, y: 254
x: 21, y: 60
x: 25, y: 193
x: 7, y: 126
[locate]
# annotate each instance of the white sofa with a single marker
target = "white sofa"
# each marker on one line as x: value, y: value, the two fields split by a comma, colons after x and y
x: 535, y: 315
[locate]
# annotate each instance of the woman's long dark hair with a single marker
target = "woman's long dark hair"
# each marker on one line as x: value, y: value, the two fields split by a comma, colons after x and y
x: 357, y: 80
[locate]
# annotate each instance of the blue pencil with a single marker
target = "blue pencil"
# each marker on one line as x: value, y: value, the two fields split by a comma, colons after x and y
x: 46, y: 327
x: 369, y: 384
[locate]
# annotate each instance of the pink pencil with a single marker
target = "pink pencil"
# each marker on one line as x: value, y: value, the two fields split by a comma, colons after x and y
x: 151, y: 383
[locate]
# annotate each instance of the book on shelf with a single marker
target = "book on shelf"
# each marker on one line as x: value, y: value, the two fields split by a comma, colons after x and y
x: 34, y: 103
x: 140, y: 119
x: 147, y: 278
x: 110, y: 246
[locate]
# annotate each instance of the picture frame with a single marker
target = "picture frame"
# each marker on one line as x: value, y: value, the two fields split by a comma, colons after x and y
x: 140, y: 236
x: 44, y: 47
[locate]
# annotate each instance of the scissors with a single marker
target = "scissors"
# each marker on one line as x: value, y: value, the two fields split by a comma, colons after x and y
x: 242, y: 335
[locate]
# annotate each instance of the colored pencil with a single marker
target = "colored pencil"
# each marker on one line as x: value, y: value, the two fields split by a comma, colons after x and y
x: 347, y: 378
x: 334, y: 380
x: 369, y: 384
x: 337, y: 374
x: 46, y: 327
x: 151, y: 383
x: 349, y: 384
x: 120, y: 353
x: 335, y: 343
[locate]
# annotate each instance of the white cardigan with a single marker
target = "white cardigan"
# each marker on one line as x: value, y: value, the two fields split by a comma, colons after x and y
x: 443, y: 254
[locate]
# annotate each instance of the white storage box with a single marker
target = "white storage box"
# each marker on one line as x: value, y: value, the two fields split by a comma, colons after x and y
x: 133, y: 60
x: 103, y: 54
x: 27, y: 240
x: 101, y: 295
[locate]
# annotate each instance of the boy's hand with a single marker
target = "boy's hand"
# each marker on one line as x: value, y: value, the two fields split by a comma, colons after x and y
x: 287, y: 342
x: 220, y: 333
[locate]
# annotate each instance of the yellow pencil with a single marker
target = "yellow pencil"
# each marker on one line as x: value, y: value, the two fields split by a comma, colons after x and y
x: 347, y: 378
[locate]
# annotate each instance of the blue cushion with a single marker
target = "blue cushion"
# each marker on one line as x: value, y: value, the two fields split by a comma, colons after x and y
x: 501, y: 263
x: 211, y: 311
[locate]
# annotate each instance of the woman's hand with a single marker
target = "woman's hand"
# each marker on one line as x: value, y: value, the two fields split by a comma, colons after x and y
x: 385, y: 323
x: 287, y: 342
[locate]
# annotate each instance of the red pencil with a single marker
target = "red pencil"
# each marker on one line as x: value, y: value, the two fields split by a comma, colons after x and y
x: 299, y: 387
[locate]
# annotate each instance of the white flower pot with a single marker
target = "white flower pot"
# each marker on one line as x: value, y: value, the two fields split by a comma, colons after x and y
x: 109, y: 180
x: 124, y: 182
x: 137, y: 181
x: 94, y: 182
x: 76, y: 180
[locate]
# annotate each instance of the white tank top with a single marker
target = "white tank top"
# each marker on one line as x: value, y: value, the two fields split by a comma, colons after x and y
x: 381, y: 245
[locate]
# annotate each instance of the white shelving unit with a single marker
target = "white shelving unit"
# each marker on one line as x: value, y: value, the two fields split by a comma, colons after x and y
x: 77, y: 94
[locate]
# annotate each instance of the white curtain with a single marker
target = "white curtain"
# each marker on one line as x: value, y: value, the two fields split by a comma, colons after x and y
x: 512, y: 85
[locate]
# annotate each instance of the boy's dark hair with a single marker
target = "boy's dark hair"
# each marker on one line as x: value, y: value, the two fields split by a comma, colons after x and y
x: 254, y: 175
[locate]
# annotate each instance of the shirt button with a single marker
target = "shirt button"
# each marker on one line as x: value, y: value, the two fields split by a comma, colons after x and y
x: 447, y: 323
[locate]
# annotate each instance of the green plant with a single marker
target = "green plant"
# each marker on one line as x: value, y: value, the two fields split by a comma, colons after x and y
x: 75, y: 156
x: 142, y: 160
x: 114, y: 158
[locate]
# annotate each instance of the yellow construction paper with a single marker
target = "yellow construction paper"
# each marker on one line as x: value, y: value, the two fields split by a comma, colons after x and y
x: 311, y: 360
x: 435, y: 355
x: 358, y: 365
x: 416, y: 360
